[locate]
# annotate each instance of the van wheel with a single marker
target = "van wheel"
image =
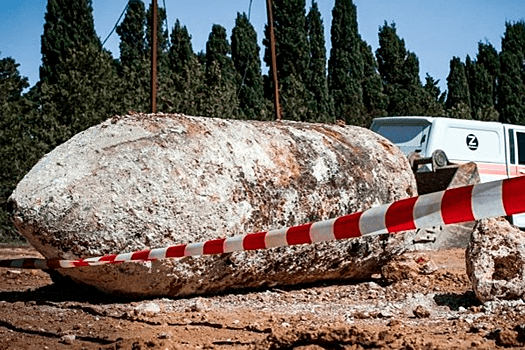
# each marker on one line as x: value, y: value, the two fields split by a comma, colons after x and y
x: 439, y: 159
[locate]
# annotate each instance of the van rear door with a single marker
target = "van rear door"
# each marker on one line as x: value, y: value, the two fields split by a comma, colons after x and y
x: 409, y: 134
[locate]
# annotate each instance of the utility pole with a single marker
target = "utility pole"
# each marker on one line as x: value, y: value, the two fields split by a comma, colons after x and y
x: 274, y: 61
x: 154, y: 48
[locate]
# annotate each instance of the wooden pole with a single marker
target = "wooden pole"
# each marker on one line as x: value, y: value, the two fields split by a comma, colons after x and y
x: 274, y: 61
x: 154, y: 48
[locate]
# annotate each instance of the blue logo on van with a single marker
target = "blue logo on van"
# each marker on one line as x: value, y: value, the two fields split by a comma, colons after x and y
x: 472, y: 142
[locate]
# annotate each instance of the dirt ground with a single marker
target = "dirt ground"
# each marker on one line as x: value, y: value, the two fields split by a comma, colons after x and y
x: 423, y: 301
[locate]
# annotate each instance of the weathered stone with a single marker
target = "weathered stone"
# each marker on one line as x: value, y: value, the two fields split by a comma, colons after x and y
x: 149, y: 181
x: 495, y: 259
x: 446, y: 236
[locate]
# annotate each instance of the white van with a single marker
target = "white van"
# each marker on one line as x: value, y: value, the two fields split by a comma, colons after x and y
x: 497, y: 149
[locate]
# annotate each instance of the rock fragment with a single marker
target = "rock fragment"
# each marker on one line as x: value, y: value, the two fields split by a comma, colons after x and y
x: 495, y: 259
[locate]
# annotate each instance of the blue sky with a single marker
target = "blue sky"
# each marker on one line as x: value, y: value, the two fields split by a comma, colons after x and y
x: 434, y: 30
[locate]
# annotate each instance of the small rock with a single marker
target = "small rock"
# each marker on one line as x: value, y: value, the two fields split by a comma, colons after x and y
x: 386, y: 313
x: 399, y: 269
x: 421, y: 312
x: 164, y: 335
x: 476, y: 309
x: 12, y: 274
x: 428, y: 267
x: 198, y: 305
x: 507, y: 338
x: 68, y: 339
x: 148, y: 309
x: 394, y: 322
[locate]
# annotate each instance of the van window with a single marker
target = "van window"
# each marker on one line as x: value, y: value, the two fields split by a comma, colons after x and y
x: 408, y: 138
x: 521, y: 147
x: 511, y: 147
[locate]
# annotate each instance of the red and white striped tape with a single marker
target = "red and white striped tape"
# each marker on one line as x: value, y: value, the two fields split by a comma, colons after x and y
x: 463, y: 204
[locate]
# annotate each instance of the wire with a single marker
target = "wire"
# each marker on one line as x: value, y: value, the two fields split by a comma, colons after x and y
x: 249, y: 58
x: 166, y: 12
x: 116, y: 24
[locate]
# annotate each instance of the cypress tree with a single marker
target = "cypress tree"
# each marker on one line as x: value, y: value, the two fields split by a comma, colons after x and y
x: 291, y: 46
x: 78, y: 77
x: 392, y: 56
x: 399, y: 70
x: 11, y: 83
x: 316, y: 82
x: 162, y: 36
x: 374, y: 97
x: 511, y: 91
x: 488, y: 58
x: 481, y: 87
x: 20, y: 147
x: 458, y: 98
x: 134, y: 70
x: 181, y: 50
x: 245, y: 56
x: 132, y: 36
x: 184, y: 89
x: 434, y: 103
x: 345, y: 66
x: 68, y: 25
x: 220, y: 95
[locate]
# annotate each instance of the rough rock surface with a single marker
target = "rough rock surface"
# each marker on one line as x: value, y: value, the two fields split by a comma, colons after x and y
x: 148, y: 181
x: 446, y: 236
x: 495, y: 259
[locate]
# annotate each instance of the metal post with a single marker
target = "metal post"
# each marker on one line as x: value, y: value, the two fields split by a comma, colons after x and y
x: 154, y: 48
x: 274, y: 61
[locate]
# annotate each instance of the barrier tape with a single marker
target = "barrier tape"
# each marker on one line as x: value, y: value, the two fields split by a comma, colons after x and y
x: 451, y: 206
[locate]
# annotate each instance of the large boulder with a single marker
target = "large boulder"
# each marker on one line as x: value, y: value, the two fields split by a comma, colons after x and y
x: 495, y: 259
x: 149, y: 181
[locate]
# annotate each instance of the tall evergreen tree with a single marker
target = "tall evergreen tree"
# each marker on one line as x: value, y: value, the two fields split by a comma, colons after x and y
x: 374, y: 97
x: 68, y: 25
x: 399, y: 69
x: 184, y: 89
x: 134, y: 71
x: 511, y: 91
x: 162, y: 35
x: 458, y: 98
x: 481, y: 87
x: 434, y: 105
x: 181, y: 50
x: 20, y: 147
x: 220, y: 96
x: 132, y: 36
x: 245, y: 56
x: 291, y: 46
x: 319, y: 106
x: 345, y: 66
x: 78, y: 77
x: 488, y: 58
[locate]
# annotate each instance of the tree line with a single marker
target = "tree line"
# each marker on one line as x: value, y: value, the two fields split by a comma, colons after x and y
x: 81, y: 84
